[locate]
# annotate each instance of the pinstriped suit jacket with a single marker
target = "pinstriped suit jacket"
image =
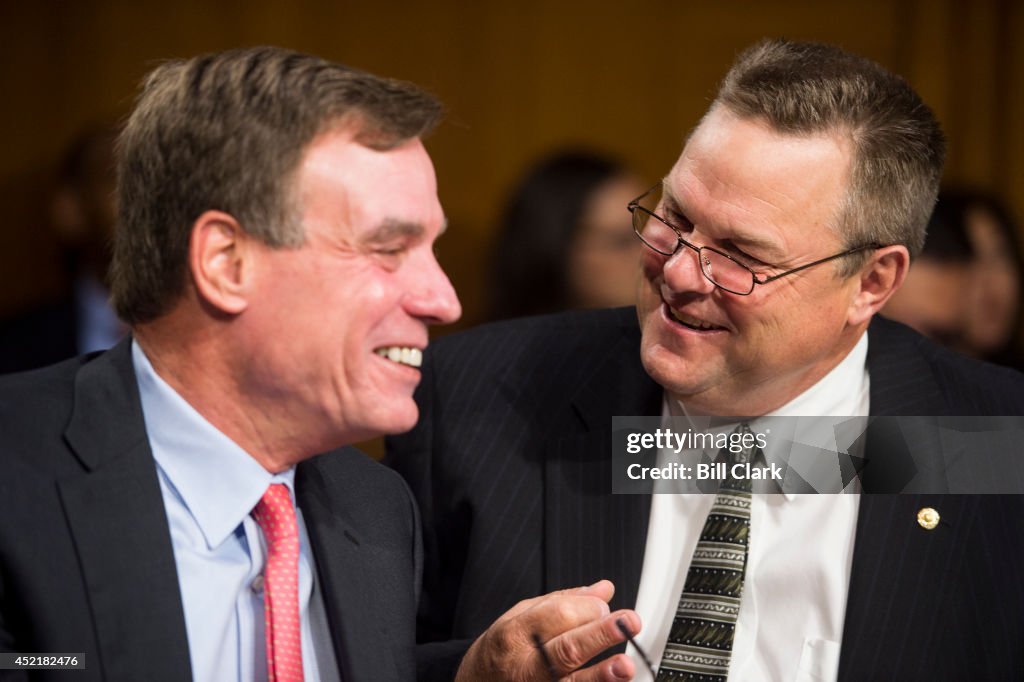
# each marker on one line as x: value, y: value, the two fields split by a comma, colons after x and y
x: 510, y: 463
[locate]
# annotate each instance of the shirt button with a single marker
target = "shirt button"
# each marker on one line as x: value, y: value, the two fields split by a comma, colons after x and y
x: 257, y: 584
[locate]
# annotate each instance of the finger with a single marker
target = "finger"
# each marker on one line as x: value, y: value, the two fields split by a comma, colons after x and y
x: 617, y: 668
x: 574, y: 648
x: 555, y: 615
x: 602, y: 589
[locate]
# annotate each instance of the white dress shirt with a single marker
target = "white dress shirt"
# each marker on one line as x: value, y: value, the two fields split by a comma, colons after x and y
x: 790, y: 622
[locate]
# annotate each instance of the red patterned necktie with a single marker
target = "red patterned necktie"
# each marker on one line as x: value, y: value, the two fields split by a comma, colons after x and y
x: 275, y: 515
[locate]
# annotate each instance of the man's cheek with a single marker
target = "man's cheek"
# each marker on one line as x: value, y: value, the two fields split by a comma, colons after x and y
x: 651, y: 266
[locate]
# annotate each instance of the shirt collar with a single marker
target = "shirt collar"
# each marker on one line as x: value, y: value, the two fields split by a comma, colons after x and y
x: 217, y: 481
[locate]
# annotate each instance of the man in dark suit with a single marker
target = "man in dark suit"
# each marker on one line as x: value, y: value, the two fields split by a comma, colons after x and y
x: 163, y: 513
x: 788, y: 221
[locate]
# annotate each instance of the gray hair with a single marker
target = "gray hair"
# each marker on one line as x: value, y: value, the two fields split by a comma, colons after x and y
x: 227, y: 131
x: 899, y: 148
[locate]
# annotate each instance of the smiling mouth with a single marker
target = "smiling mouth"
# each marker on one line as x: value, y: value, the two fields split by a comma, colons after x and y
x: 411, y: 357
x: 693, y: 323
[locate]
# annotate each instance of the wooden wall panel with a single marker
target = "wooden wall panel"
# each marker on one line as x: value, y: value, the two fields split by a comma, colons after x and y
x: 1009, y: 133
x: 518, y: 79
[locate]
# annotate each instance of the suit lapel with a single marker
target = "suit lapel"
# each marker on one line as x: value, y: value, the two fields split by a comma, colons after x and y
x: 902, y: 383
x: 590, y: 533
x: 357, y: 629
x: 900, y: 578
x: 116, y: 516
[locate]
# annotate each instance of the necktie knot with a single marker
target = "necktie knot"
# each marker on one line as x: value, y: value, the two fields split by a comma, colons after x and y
x: 741, y: 450
x: 275, y: 515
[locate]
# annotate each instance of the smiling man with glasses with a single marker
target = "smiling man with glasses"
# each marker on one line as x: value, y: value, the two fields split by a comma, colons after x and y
x: 790, y: 218
x: 764, y: 206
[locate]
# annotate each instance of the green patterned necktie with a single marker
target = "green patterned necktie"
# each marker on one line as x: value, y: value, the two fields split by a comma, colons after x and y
x: 700, y: 643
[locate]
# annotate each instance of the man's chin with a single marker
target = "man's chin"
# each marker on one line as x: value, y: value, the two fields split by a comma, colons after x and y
x: 399, y: 420
x: 400, y: 428
x: 391, y: 417
x: 681, y: 376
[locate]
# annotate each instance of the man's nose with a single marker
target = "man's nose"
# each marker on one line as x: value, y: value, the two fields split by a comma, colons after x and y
x: 434, y: 299
x: 682, y: 272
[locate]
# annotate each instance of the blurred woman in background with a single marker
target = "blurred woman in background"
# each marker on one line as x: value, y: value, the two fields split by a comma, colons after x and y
x: 565, y: 239
x: 994, y: 294
x: 964, y: 289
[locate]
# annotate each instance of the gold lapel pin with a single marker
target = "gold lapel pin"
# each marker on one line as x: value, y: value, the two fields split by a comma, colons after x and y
x: 928, y: 518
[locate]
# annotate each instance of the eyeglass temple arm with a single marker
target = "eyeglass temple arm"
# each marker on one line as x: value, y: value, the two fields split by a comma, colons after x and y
x: 817, y: 262
x: 624, y: 629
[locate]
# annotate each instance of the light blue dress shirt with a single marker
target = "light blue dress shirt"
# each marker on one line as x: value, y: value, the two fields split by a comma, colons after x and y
x: 210, y: 485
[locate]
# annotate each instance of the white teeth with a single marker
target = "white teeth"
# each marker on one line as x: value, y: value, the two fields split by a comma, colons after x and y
x: 403, y: 356
x: 691, y: 321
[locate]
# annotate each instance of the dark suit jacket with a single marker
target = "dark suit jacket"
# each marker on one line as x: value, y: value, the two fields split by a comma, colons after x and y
x: 86, y: 562
x: 510, y: 463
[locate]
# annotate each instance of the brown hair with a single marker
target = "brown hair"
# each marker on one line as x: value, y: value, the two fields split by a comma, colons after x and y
x: 899, y: 148
x: 227, y: 131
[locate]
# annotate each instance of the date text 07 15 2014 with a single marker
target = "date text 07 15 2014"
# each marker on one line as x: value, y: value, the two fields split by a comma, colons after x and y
x: 42, y: 661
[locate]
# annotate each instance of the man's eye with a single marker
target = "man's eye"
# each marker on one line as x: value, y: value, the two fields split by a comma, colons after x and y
x: 678, y: 221
x: 395, y: 250
x: 748, y: 260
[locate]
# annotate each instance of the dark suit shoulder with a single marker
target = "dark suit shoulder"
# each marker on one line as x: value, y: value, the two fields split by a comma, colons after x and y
x: 937, y: 379
x: 373, y: 499
x: 41, y: 380
x: 534, y: 355
x: 568, y: 326
x: 370, y: 487
x: 35, y: 409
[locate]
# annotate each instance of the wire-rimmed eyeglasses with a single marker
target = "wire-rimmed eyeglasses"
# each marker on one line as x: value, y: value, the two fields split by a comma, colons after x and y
x: 721, y: 269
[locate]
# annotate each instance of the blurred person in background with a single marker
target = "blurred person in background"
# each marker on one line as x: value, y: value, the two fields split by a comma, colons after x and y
x: 564, y: 239
x: 83, y: 212
x: 993, y: 314
x: 964, y: 289
x: 934, y: 296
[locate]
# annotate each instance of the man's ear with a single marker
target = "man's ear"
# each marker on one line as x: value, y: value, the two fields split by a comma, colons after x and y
x: 219, y: 256
x: 879, y: 279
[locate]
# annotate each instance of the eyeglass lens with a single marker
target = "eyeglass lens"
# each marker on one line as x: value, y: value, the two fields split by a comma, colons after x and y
x: 717, y: 267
